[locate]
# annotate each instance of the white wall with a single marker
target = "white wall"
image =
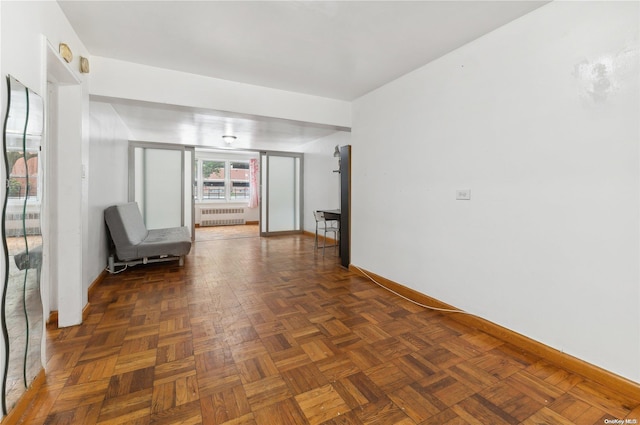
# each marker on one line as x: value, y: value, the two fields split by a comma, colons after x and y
x: 22, y: 28
x: 107, y: 175
x: 65, y: 203
x: 540, y: 120
x: 321, y: 184
x: 126, y: 80
x: 24, y: 24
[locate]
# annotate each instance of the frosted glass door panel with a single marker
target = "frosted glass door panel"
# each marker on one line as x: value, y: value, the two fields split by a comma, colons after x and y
x: 161, y: 182
x: 188, y: 190
x: 263, y: 194
x: 163, y: 188
x: 138, y: 169
x: 297, y: 198
x: 281, y: 180
x: 282, y: 199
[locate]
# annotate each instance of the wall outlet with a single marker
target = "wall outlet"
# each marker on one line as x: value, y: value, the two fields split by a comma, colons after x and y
x: 463, y: 194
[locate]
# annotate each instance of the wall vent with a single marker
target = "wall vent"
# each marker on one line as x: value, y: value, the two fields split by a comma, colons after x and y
x: 20, y: 232
x: 211, y: 211
x: 223, y: 222
x: 19, y: 224
x: 221, y: 216
x: 20, y: 216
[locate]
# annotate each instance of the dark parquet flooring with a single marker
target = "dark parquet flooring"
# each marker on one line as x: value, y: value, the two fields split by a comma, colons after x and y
x: 268, y: 331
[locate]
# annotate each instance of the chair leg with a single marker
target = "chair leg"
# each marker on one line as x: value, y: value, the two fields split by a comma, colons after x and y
x: 324, y: 241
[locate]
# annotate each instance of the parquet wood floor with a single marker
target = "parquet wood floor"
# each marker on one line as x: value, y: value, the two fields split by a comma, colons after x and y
x: 268, y: 331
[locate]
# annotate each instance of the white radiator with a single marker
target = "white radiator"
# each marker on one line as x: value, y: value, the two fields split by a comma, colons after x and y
x: 221, y: 216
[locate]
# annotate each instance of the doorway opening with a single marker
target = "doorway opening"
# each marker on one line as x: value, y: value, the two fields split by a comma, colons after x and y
x: 226, y: 194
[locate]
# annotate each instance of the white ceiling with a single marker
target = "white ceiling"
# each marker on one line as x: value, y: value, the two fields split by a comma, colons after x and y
x: 335, y: 49
x: 205, y: 128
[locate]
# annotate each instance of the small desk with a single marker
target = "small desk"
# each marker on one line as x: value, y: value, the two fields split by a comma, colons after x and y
x: 334, y: 215
x: 331, y: 214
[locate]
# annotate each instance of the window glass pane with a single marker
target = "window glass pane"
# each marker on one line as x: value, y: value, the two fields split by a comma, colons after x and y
x: 213, y: 170
x: 239, y: 180
x: 240, y: 165
x: 213, y: 179
x: 213, y: 190
x: 239, y: 190
x: 223, y: 180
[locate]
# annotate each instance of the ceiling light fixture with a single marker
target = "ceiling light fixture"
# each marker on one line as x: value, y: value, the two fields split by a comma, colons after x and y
x: 229, y: 139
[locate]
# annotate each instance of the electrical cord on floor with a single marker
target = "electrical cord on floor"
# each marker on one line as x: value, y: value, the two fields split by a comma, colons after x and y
x: 117, y: 271
x: 446, y: 310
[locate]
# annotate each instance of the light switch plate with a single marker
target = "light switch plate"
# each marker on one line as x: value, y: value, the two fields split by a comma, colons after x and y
x: 463, y: 194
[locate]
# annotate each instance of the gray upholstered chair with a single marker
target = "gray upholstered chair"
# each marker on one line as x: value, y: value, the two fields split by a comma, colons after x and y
x: 135, y: 244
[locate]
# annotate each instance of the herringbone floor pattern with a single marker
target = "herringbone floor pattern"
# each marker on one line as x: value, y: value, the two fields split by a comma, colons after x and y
x: 265, y: 331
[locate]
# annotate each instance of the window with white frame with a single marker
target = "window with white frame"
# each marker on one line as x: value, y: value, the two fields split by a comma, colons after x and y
x: 221, y: 180
x: 213, y: 180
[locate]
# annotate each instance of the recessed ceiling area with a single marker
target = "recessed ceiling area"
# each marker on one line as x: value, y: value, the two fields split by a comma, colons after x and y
x: 334, y: 49
x: 204, y: 128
